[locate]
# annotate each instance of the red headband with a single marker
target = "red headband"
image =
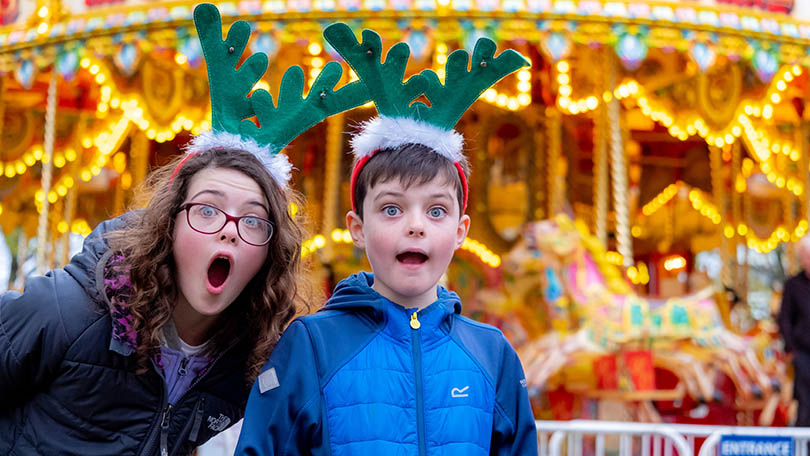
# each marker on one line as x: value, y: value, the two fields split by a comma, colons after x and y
x: 362, y: 163
x: 180, y: 165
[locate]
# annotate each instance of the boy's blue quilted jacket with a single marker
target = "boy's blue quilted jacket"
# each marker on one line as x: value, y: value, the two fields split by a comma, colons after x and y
x: 357, y: 379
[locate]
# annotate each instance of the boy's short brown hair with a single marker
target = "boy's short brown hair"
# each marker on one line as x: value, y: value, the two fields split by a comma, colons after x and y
x: 412, y: 164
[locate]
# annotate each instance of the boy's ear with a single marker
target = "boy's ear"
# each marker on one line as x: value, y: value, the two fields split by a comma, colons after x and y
x: 355, y: 226
x: 463, y: 229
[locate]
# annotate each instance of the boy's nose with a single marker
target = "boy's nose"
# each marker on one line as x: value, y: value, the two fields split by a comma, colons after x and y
x: 416, y: 232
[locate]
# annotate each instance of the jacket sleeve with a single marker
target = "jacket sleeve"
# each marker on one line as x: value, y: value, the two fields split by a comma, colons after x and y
x: 284, y: 413
x: 33, y: 339
x: 786, y: 316
x: 514, y: 431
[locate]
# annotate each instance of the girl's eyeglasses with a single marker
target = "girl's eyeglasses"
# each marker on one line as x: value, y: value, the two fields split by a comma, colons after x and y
x: 206, y: 219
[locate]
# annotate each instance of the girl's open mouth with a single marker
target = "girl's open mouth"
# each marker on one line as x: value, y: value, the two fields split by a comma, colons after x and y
x: 218, y: 272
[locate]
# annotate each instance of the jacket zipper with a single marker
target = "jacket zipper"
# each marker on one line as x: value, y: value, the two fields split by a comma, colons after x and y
x: 153, y: 432
x: 164, y: 400
x: 164, y: 431
x: 181, y: 371
x: 198, y: 416
x: 417, y: 369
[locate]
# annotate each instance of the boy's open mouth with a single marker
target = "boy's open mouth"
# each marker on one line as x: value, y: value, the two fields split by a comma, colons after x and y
x: 412, y: 257
x: 218, y: 271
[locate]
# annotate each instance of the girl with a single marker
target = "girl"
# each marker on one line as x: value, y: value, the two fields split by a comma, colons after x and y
x: 150, y: 338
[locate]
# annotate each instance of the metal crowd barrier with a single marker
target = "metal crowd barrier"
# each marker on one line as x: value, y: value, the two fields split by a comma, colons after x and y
x: 654, y: 439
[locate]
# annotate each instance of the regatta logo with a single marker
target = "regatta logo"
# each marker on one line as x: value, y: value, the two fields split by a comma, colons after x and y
x: 460, y: 392
x: 218, y: 424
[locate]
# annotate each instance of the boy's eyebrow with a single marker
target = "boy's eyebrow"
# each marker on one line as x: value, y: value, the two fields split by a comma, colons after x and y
x: 441, y: 195
x: 388, y: 193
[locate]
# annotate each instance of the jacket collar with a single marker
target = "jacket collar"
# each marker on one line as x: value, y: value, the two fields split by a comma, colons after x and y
x: 354, y: 294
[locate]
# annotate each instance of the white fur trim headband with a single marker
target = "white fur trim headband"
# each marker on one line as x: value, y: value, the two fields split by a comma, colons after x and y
x: 277, y: 164
x: 389, y: 133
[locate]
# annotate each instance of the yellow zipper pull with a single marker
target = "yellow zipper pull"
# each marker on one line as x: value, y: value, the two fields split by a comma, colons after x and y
x: 415, y: 322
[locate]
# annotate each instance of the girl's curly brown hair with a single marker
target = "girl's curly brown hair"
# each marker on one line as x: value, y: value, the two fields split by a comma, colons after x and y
x: 269, y: 300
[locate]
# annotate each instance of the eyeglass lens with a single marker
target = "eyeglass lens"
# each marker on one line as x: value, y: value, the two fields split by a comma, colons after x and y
x: 208, y: 219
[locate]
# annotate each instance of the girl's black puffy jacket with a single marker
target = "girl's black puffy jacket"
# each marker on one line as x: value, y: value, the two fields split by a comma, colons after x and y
x: 68, y: 387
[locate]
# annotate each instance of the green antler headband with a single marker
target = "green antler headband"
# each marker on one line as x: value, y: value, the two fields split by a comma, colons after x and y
x: 401, y: 121
x: 233, y: 104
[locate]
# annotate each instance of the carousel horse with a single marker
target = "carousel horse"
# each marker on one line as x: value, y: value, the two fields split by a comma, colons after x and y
x: 559, y: 270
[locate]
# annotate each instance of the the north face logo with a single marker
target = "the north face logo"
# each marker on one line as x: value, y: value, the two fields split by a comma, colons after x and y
x: 218, y: 424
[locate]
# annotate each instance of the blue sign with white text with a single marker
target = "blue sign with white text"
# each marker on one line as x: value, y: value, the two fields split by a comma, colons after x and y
x: 756, y: 445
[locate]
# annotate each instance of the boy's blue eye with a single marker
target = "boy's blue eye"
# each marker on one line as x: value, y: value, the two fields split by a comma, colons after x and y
x: 437, y: 212
x: 391, y: 211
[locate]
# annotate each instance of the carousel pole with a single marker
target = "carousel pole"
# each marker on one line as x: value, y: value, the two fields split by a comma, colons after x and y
x: 803, y: 133
x: 789, y: 219
x: 69, y: 212
x: 118, y: 199
x: 2, y: 108
x: 804, y: 144
x: 70, y: 208
x: 22, y: 253
x: 331, y: 188
x: 139, y: 154
x: 556, y: 184
x: 736, y: 217
x: 744, y: 268
x: 47, y: 166
x: 719, y: 196
x: 600, y: 152
x: 618, y: 171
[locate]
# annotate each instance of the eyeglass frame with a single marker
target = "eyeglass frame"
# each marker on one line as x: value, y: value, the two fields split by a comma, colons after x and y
x: 228, y: 218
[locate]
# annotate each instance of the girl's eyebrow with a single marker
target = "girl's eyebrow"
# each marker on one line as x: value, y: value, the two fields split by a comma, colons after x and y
x: 213, y: 192
x: 257, y: 203
x: 222, y: 194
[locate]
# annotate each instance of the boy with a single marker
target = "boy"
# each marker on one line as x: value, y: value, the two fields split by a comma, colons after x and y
x: 389, y: 366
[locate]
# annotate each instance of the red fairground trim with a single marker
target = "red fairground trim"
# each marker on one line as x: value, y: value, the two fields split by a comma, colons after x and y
x: 362, y: 162
x: 180, y: 165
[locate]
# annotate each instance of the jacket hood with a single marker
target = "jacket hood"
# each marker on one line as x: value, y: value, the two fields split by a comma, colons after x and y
x: 355, y: 293
x: 86, y: 267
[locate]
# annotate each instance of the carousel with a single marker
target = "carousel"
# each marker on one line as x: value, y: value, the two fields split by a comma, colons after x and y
x: 634, y: 193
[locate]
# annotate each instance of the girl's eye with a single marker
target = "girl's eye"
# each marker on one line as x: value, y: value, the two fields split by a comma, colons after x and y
x: 437, y: 212
x: 207, y: 211
x: 250, y: 222
x: 391, y: 211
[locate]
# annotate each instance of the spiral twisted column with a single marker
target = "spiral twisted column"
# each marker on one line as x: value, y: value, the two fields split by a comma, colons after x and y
x: 47, y: 168
x: 618, y: 171
x: 600, y: 188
